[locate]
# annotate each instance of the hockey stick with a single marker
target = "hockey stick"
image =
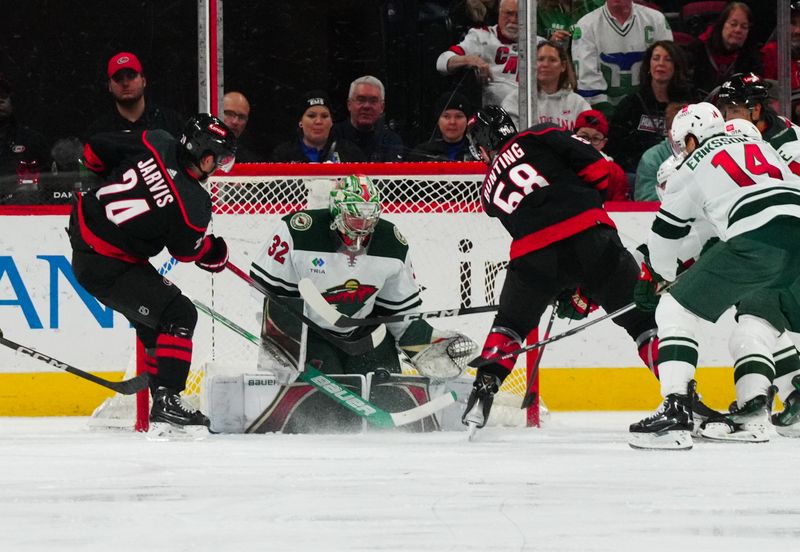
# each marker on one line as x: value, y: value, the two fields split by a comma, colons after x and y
x: 355, y: 347
x: 315, y: 300
x: 340, y: 394
x: 529, y: 397
x: 125, y: 387
x: 479, y: 362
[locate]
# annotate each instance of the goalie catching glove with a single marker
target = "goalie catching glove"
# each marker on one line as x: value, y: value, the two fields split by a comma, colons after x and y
x: 214, y: 254
x: 446, y: 357
x: 574, y: 305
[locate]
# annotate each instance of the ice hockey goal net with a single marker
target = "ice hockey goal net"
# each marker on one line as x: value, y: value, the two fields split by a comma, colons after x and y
x: 459, y: 256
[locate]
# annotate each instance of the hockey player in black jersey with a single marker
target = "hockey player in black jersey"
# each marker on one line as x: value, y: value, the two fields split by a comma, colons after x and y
x: 546, y: 187
x: 152, y: 198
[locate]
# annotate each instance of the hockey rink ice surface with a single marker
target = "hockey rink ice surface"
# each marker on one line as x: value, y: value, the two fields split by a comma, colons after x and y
x: 574, y: 485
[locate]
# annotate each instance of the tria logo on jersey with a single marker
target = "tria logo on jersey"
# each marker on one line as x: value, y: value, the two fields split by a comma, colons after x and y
x: 350, y: 296
x: 317, y: 263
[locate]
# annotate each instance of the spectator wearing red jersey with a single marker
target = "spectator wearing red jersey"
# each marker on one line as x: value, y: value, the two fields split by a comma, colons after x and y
x: 592, y: 126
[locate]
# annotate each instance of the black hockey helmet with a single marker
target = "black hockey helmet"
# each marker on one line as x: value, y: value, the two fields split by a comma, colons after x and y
x: 490, y: 127
x: 205, y: 134
x: 743, y: 89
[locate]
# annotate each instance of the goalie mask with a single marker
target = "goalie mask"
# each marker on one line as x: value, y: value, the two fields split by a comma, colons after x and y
x: 490, y: 128
x: 355, y: 207
x: 204, y: 135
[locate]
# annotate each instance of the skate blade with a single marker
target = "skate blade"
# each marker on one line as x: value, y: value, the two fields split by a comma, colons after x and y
x: 791, y: 431
x: 163, y: 431
x: 667, y: 440
x: 722, y: 433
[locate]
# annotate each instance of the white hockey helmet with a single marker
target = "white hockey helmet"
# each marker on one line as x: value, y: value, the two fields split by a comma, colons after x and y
x: 741, y: 127
x: 701, y: 120
x: 667, y: 169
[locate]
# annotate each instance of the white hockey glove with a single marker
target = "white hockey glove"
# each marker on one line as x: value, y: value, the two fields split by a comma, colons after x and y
x: 446, y: 357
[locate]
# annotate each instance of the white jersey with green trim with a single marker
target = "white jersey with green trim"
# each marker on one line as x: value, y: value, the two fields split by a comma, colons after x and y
x: 380, y: 275
x: 735, y: 183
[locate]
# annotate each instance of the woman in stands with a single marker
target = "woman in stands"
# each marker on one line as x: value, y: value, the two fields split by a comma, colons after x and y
x: 639, y: 120
x: 555, y: 80
x: 725, y: 48
x: 313, y: 143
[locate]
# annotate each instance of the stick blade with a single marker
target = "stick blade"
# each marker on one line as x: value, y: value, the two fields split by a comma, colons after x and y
x: 131, y: 386
x: 425, y: 410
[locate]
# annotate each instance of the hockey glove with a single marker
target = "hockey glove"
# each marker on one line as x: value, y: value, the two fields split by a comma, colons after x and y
x: 446, y: 357
x: 216, y: 254
x: 574, y: 305
x: 645, y: 292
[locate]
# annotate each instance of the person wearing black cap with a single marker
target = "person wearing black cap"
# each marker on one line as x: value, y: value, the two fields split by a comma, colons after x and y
x: 314, y: 142
x: 449, y: 143
x: 126, y: 83
x: 23, y: 154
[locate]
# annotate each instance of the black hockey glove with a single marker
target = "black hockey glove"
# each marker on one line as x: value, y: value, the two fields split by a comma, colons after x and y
x: 216, y: 256
x: 574, y: 305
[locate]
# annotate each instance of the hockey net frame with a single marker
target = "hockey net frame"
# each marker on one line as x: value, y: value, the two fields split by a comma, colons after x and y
x: 459, y: 255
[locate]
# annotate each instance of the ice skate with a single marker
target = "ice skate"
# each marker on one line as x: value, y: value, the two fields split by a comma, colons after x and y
x: 746, y: 424
x: 171, y: 418
x: 700, y: 413
x: 479, y: 403
x: 669, y: 427
x: 787, y: 421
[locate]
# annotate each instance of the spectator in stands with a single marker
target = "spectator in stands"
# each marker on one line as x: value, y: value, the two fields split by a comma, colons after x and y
x: 725, y: 48
x: 645, y: 187
x: 452, y: 110
x: 555, y: 19
x: 592, y: 126
x: 365, y: 127
x: 557, y: 102
x: 314, y: 142
x: 467, y: 14
x: 639, y: 121
x: 236, y: 114
x: 23, y: 154
x: 126, y: 83
x: 769, y: 58
x: 489, y: 51
x: 608, y: 45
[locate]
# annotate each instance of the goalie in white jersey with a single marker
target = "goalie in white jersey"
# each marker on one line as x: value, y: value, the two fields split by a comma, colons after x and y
x: 751, y: 198
x: 361, y: 264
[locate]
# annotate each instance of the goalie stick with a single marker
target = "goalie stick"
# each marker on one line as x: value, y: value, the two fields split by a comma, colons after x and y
x: 317, y: 302
x: 340, y: 394
x: 352, y: 347
x: 125, y: 387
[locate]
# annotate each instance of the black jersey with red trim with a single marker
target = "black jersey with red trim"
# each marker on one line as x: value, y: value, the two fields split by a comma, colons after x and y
x: 148, y: 201
x: 546, y: 185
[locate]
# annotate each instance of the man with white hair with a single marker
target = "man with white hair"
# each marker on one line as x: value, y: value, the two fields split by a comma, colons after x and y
x: 748, y: 194
x: 366, y: 127
x: 491, y: 52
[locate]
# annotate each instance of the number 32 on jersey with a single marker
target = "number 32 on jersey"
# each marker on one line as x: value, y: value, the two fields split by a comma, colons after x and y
x: 523, y: 179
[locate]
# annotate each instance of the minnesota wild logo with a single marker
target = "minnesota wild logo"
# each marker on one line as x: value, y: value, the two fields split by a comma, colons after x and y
x: 300, y: 221
x: 349, y: 297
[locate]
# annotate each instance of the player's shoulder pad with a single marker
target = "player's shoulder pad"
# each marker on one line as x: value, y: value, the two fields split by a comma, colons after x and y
x: 388, y: 241
x: 310, y: 230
